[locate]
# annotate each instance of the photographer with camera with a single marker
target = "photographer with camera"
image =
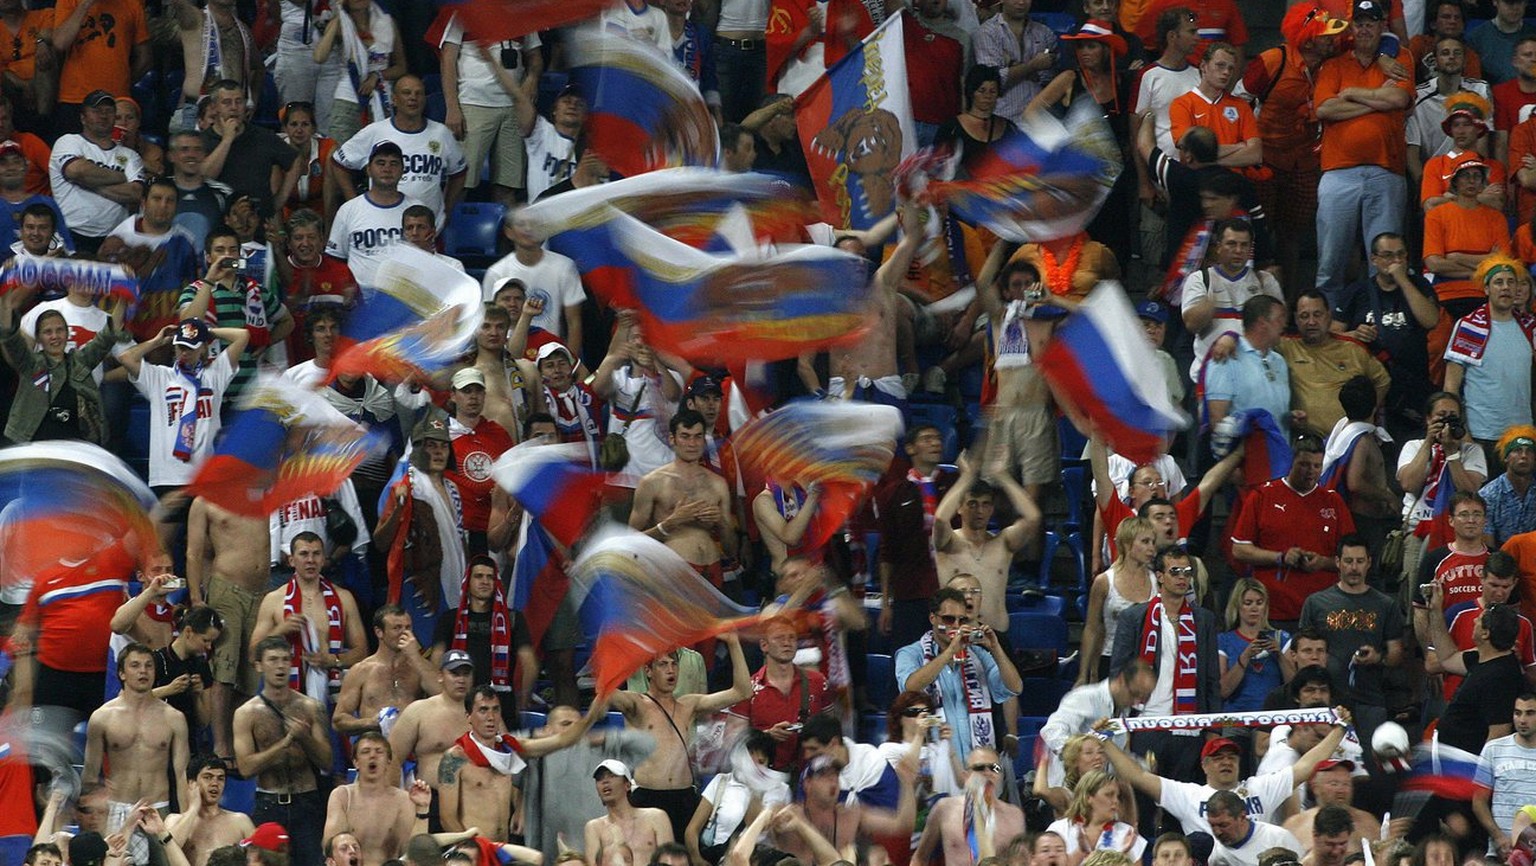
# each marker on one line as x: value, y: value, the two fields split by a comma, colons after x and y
x: 227, y: 297
x: 1421, y: 465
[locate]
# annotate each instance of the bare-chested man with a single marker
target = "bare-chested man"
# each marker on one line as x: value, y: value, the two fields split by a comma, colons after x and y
x: 147, y: 617
x: 135, y: 738
x: 475, y: 775
x: 319, y: 619
x: 684, y: 504
x: 946, y: 822
x: 394, y: 676
x: 841, y: 822
x: 1333, y: 784
x: 203, y: 824
x: 511, y: 381
x: 374, y: 808
x: 665, y: 779
x: 642, y: 829
x: 975, y: 551
x: 282, y: 737
x: 343, y: 850
x: 228, y: 566
x: 868, y: 370
x: 427, y: 728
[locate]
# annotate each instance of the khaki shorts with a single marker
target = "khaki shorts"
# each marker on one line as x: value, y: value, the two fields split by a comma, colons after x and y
x: 1028, y: 439
x: 229, y: 662
x: 493, y: 131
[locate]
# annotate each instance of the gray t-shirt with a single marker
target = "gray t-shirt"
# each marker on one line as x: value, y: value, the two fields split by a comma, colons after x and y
x: 1352, y: 621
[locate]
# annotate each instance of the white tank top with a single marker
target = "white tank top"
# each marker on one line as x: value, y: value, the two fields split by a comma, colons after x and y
x: 1114, y: 603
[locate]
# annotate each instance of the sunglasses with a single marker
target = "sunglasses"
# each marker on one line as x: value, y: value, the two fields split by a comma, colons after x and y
x: 914, y: 712
x: 951, y: 619
x: 1181, y: 570
x: 985, y: 768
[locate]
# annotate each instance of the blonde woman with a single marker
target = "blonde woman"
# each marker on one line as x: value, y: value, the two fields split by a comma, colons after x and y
x: 1082, y: 754
x: 1252, y: 663
x: 1127, y: 582
x: 1092, y: 822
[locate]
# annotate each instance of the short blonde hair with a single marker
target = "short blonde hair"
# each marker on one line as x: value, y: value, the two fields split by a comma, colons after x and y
x: 1091, y: 783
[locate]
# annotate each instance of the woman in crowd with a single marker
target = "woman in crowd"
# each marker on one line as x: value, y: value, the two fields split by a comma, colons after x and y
x: 973, y: 130
x: 1252, y: 664
x: 1127, y: 582
x: 57, y: 397
x: 1092, y: 822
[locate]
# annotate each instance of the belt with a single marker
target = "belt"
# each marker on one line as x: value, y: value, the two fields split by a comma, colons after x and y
x: 744, y: 44
x: 282, y: 798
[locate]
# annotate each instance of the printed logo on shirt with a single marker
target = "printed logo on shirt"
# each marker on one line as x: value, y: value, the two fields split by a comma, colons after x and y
x: 176, y: 398
x: 421, y: 164
x: 1230, y: 113
x: 477, y: 466
x: 366, y: 239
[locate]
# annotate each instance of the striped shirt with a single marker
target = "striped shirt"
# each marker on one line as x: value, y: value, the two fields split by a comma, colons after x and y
x: 1509, y: 770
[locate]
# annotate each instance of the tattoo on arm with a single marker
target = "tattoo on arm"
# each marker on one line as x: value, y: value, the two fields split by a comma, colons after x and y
x: 448, y: 769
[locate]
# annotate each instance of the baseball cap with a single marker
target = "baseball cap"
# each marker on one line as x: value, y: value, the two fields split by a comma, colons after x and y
x: 1334, y: 762
x: 97, y: 97
x: 1154, y: 310
x: 1217, y: 745
x: 616, y: 767
x: 191, y: 334
x: 268, y: 837
x: 386, y: 147
x: 704, y: 385
x: 1458, y: 168
x: 549, y: 349
x: 466, y: 377
x: 455, y: 659
x: 572, y: 89
x: 87, y: 849
x: 1369, y: 9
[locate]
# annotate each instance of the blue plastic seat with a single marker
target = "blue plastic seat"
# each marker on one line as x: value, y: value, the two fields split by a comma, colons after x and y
x: 1051, y: 604
x: 1037, y: 630
x: 531, y: 720
x: 881, y: 679
x: 872, y: 728
x: 239, y: 795
x: 472, y: 232
x: 1028, y: 733
x: 1041, y: 695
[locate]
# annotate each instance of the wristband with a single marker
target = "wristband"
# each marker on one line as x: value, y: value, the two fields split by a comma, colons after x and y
x: 663, y: 530
x: 1280, y: 559
x: 423, y: 815
x: 166, y: 839
x: 1454, y: 457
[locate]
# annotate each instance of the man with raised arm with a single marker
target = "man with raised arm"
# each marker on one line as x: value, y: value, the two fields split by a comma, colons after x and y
x: 374, y: 808
x: 389, y: 680
x: 203, y: 824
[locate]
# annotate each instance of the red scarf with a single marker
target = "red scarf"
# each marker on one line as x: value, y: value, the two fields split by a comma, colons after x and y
x: 501, y: 635
x: 1185, y: 679
x: 293, y: 602
x: 506, y: 744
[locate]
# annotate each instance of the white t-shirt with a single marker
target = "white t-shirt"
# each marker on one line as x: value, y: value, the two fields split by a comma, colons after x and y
x: 801, y: 71
x: 649, y: 25
x: 739, y: 15
x: 170, y: 396
x: 1120, y: 836
x: 478, y: 84
x: 1160, y: 86
x: 1261, y: 838
x: 1227, y: 293
x: 381, y: 26
x: 432, y: 155
x: 648, y: 450
x: 1160, y: 702
x: 1414, y: 508
x: 306, y: 374
x: 308, y: 515
x: 1281, y: 756
x: 363, y: 233
x: 551, y: 157
x: 1262, y: 793
x: 553, y: 279
x: 84, y: 322
x: 86, y: 212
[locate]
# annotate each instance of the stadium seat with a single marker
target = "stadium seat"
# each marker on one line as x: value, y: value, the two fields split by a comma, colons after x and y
x: 1051, y: 604
x: 611, y: 720
x: 1029, y: 733
x: 1041, y: 695
x: 437, y: 107
x: 1036, y: 630
x: 881, y: 679
x: 1059, y: 22
x: 267, y: 104
x: 433, y: 82
x: 472, y: 233
x: 239, y: 794
x: 872, y: 728
x: 1069, y: 530
x: 530, y: 719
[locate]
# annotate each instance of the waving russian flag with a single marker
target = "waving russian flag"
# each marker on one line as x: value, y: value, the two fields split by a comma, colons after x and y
x: 856, y: 127
x: 1436, y: 528
x: 554, y: 484
x: 640, y: 599
x: 1443, y: 770
x: 420, y: 317
x: 1103, y: 374
x: 539, y: 581
x: 1266, y: 454
x: 744, y: 306
x: 643, y: 112
x: 286, y: 444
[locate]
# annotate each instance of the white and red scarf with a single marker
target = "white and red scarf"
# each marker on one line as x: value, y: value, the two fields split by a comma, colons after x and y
x: 505, y: 756
x: 303, y: 677
x: 575, y: 411
x: 1469, y: 337
x: 978, y: 695
x: 254, y: 311
x: 1185, y: 676
x: 501, y: 635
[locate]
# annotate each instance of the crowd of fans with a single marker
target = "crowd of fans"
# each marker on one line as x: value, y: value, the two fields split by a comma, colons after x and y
x: 243, y: 690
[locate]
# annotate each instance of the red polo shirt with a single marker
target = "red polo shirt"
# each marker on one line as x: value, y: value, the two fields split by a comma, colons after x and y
x: 71, y: 608
x: 1276, y: 517
x: 768, y: 706
x: 1187, y: 509
x: 1461, y: 635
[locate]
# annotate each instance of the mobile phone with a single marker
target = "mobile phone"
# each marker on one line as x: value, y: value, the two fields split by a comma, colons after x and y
x: 175, y: 583
x: 794, y: 728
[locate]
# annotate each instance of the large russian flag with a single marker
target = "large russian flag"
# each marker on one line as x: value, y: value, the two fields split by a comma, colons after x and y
x: 1443, y: 770
x: 539, y: 581
x: 856, y: 127
x: 420, y: 317
x: 643, y: 112
x: 554, y: 484
x: 1103, y: 374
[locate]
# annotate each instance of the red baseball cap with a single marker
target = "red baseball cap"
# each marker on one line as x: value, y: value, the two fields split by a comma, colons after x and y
x: 268, y: 837
x: 1218, y: 744
x: 1331, y: 763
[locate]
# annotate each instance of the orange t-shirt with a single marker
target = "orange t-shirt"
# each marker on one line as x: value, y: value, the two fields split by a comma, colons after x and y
x: 1522, y: 143
x: 1451, y: 228
x: 37, y: 154
x: 102, y: 55
x: 1524, y: 245
x: 1373, y: 138
x: 1438, y: 171
x: 21, y: 59
x: 1288, y: 124
x: 1230, y: 117
x: 1523, y: 548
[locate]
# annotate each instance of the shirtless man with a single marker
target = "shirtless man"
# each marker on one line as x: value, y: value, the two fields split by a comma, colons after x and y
x: 374, y: 809
x: 684, y: 504
x: 282, y: 739
x: 973, y: 550
x: 328, y: 638
x: 228, y: 566
x: 475, y: 774
x: 946, y: 822
x: 394, y: 676
x: 343, y: 850
x: 427, y: 728
x: 840, y: 820
x: 135, y: 737
x: 204, y: 825
x: 642, y: 829
x: 1333, y: 784
x: 665, y: 779
x: 511, y: 382
x: 867, y: 370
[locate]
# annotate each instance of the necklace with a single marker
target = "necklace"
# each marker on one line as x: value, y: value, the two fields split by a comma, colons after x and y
x: 1058, y: 275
